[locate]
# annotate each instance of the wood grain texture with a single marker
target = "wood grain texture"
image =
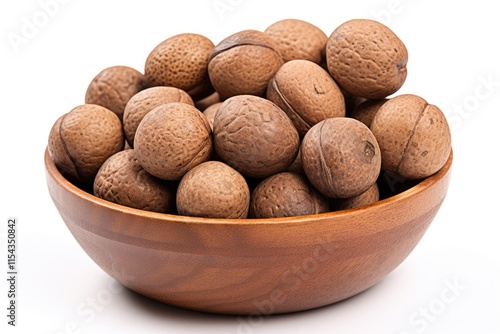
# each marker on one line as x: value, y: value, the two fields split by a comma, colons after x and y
x: 249, y: 266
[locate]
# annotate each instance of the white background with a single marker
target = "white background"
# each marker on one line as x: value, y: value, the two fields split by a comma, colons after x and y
x: 454, y: 63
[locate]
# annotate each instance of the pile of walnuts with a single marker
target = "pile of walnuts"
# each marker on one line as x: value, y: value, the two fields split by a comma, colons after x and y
x: 274, y: 123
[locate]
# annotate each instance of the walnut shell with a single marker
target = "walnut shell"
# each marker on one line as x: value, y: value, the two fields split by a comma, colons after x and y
x: 370, y: 196
x: 145, y: 101
x: 243, y: 63
x: 171, y: 139
x: 285, y: 195
x: 122, y: 180
x: 298, y: 39
x: 181, y: 61
x: 210, y: 113
x: 413, y: 135
x: 366, y: 111
x: 113, y: 87
x: 341, y: 157
x: 213, y: 189
x: 81, y: 140
x: 306, y: 93
x: 367, y: 59
x: 254, y: 136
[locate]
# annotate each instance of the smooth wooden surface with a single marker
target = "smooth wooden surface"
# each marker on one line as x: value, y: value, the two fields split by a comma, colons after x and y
x: 249, y: 266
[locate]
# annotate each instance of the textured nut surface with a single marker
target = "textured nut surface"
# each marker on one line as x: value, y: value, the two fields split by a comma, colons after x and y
x: 341, y: 157
x: 145, y: 101
x: 414, y: 136
x: 243, y: 63
x: 285, y: 195
x: 254, y: 136
x: 368, y: 197
x: 366, y: 59
x: 171, y: 139
x: 81, y: 140
x: 122, y: 180
x: 181, y: 61
x: 306, y: 93
x: 213, y: 189
x: 298, y: 39
x: 59, y: 154
x: 210, y: 113
x: 366, y: 111
x: 113, y: 87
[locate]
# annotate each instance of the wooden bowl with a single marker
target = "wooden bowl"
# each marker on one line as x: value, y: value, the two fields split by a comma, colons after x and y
x: 249, y: 266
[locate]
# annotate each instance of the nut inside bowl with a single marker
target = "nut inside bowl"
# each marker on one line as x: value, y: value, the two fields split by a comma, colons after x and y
x: 249, y: 266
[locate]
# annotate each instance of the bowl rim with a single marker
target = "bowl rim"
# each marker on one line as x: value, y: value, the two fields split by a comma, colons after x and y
x: 53, y: 172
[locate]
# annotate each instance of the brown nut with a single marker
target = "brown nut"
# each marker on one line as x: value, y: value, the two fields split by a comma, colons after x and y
x: 341, y: 157
x: 368, y: 197
x: 206, y: 102
x: 366, y: 111
x: 298, y: 39
x: 414, y: 136
x: 243, y: 63
x: 210, y: 113
x: 213, y: 189
x: 81, y: 140
x: 171, y: 139
x: 113, y: 87
x: 181, y: 61
x: 306, y: 93
x: 122, y: 180
x: 59, y: 154
x: 145, y: 101
x: 366, y: 59
x: 296, y: 166
x: 254, y: 136
x: 285, y: 195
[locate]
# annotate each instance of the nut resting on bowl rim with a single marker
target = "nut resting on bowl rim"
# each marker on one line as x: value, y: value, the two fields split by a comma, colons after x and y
x: 249, y: 266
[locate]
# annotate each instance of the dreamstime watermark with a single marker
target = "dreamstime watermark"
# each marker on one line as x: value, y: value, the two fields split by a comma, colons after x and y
x: 222, y: 7
x: 393, y: 8
x: 486, y: 88
x: 421, y: 319
x: 32, y: 24
x: 291, y: 280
